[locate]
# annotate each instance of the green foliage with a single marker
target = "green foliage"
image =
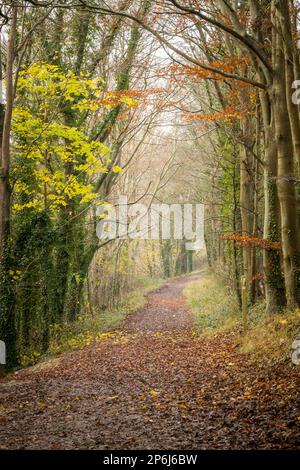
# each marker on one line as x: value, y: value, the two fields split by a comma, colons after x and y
x: 55, y: 168
x: 87, y: 328
x: 270, y: 337
x: 213, y: 308
x: 54, y: 163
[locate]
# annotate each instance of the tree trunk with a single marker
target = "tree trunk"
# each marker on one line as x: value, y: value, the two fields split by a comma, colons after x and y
x: 7, y: 319
x: 285, y: 182
x: 247, y: 194
x: 274, y: 281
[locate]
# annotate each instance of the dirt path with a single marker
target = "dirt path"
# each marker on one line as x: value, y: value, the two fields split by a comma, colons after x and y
x: 153, y: 385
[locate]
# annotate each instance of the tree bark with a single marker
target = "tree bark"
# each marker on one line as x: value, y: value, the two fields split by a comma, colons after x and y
x: 285, y: 182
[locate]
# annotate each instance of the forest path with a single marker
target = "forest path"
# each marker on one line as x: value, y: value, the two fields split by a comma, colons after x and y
x: 153, y: 384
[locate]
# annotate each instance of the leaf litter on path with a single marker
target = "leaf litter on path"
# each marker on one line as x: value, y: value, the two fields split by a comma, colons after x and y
x: 153, y: 384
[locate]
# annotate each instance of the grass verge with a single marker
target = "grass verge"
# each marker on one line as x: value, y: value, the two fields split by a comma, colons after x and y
x: 212, y: 307
x: 215, y: 310
x: 87, y: 329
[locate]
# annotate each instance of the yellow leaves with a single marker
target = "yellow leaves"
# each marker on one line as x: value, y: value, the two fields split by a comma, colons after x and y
x: 105, y: 336
x: 116, y: 169
x: 297, y: 312
x: 93, y: 164
x: 74, y: 343
x: 44, y: 145
x: 75, y: 87
x: 15, y: 275
x: 47, y: 81
x: 163, y: 400
x: 59, y: 186
x: 89, y: 197
x: 44, y: 176
x: 86, y: 338
x: 158, y: 334
x: 25, y: 126
x: 72, y: 188
x: 61, y: 161
x: 21, y: 114
x: 129, y: 101
x: 37, y: 204
x: 38, y: 71
x: 153, y: 394
x: 41, y: 405
x: 29, y: 359
x: 182, y: 406
x: 172, y: 340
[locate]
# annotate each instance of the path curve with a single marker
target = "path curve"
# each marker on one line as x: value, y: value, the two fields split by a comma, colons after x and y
x: 165, y: 309
x: 152, y: 385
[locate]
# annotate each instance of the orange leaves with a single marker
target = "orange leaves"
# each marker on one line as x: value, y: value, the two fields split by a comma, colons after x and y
x: 230, y: 112
x: 257, y: 277
x: 245, y: 241
x: 234, y: 64
x: 233, y: 96
x: 112, y: 99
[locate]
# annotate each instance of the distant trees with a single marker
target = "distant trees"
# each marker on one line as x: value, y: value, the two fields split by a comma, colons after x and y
x: 84, y: 85
x: 231, y: 45
x: 58, y: 115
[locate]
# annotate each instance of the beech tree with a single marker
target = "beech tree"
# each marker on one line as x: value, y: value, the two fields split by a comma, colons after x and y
x: 88, y: 90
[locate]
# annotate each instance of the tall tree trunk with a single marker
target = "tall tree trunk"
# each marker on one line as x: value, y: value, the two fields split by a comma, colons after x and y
x: 290, y: 59
x: 7, y: 321
x: 285, y: 182
x: 247, y: 193
x: 274, y: 281
x: 5, y: 190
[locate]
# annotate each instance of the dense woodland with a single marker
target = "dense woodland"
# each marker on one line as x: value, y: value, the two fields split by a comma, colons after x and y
x: 172, y: 101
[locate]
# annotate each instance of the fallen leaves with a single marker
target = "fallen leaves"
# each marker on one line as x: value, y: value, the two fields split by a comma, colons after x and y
x: 155, y: 384
x: 41, y: 405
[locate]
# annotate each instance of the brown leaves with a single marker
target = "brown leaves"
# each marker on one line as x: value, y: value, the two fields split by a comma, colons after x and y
x: 248, y: 241
x: 164, y: 387
x: 229, y: 113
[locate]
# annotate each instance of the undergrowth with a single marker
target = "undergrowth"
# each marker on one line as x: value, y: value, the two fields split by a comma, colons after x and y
x: 215, y: 309
x: 212, y: 307
x: 87, y: 328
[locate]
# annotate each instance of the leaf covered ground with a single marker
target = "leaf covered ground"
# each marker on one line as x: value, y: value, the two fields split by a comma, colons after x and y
x: 153, y: 384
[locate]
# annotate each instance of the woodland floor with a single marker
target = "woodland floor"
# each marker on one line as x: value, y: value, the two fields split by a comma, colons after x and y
x: 153, y: 385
